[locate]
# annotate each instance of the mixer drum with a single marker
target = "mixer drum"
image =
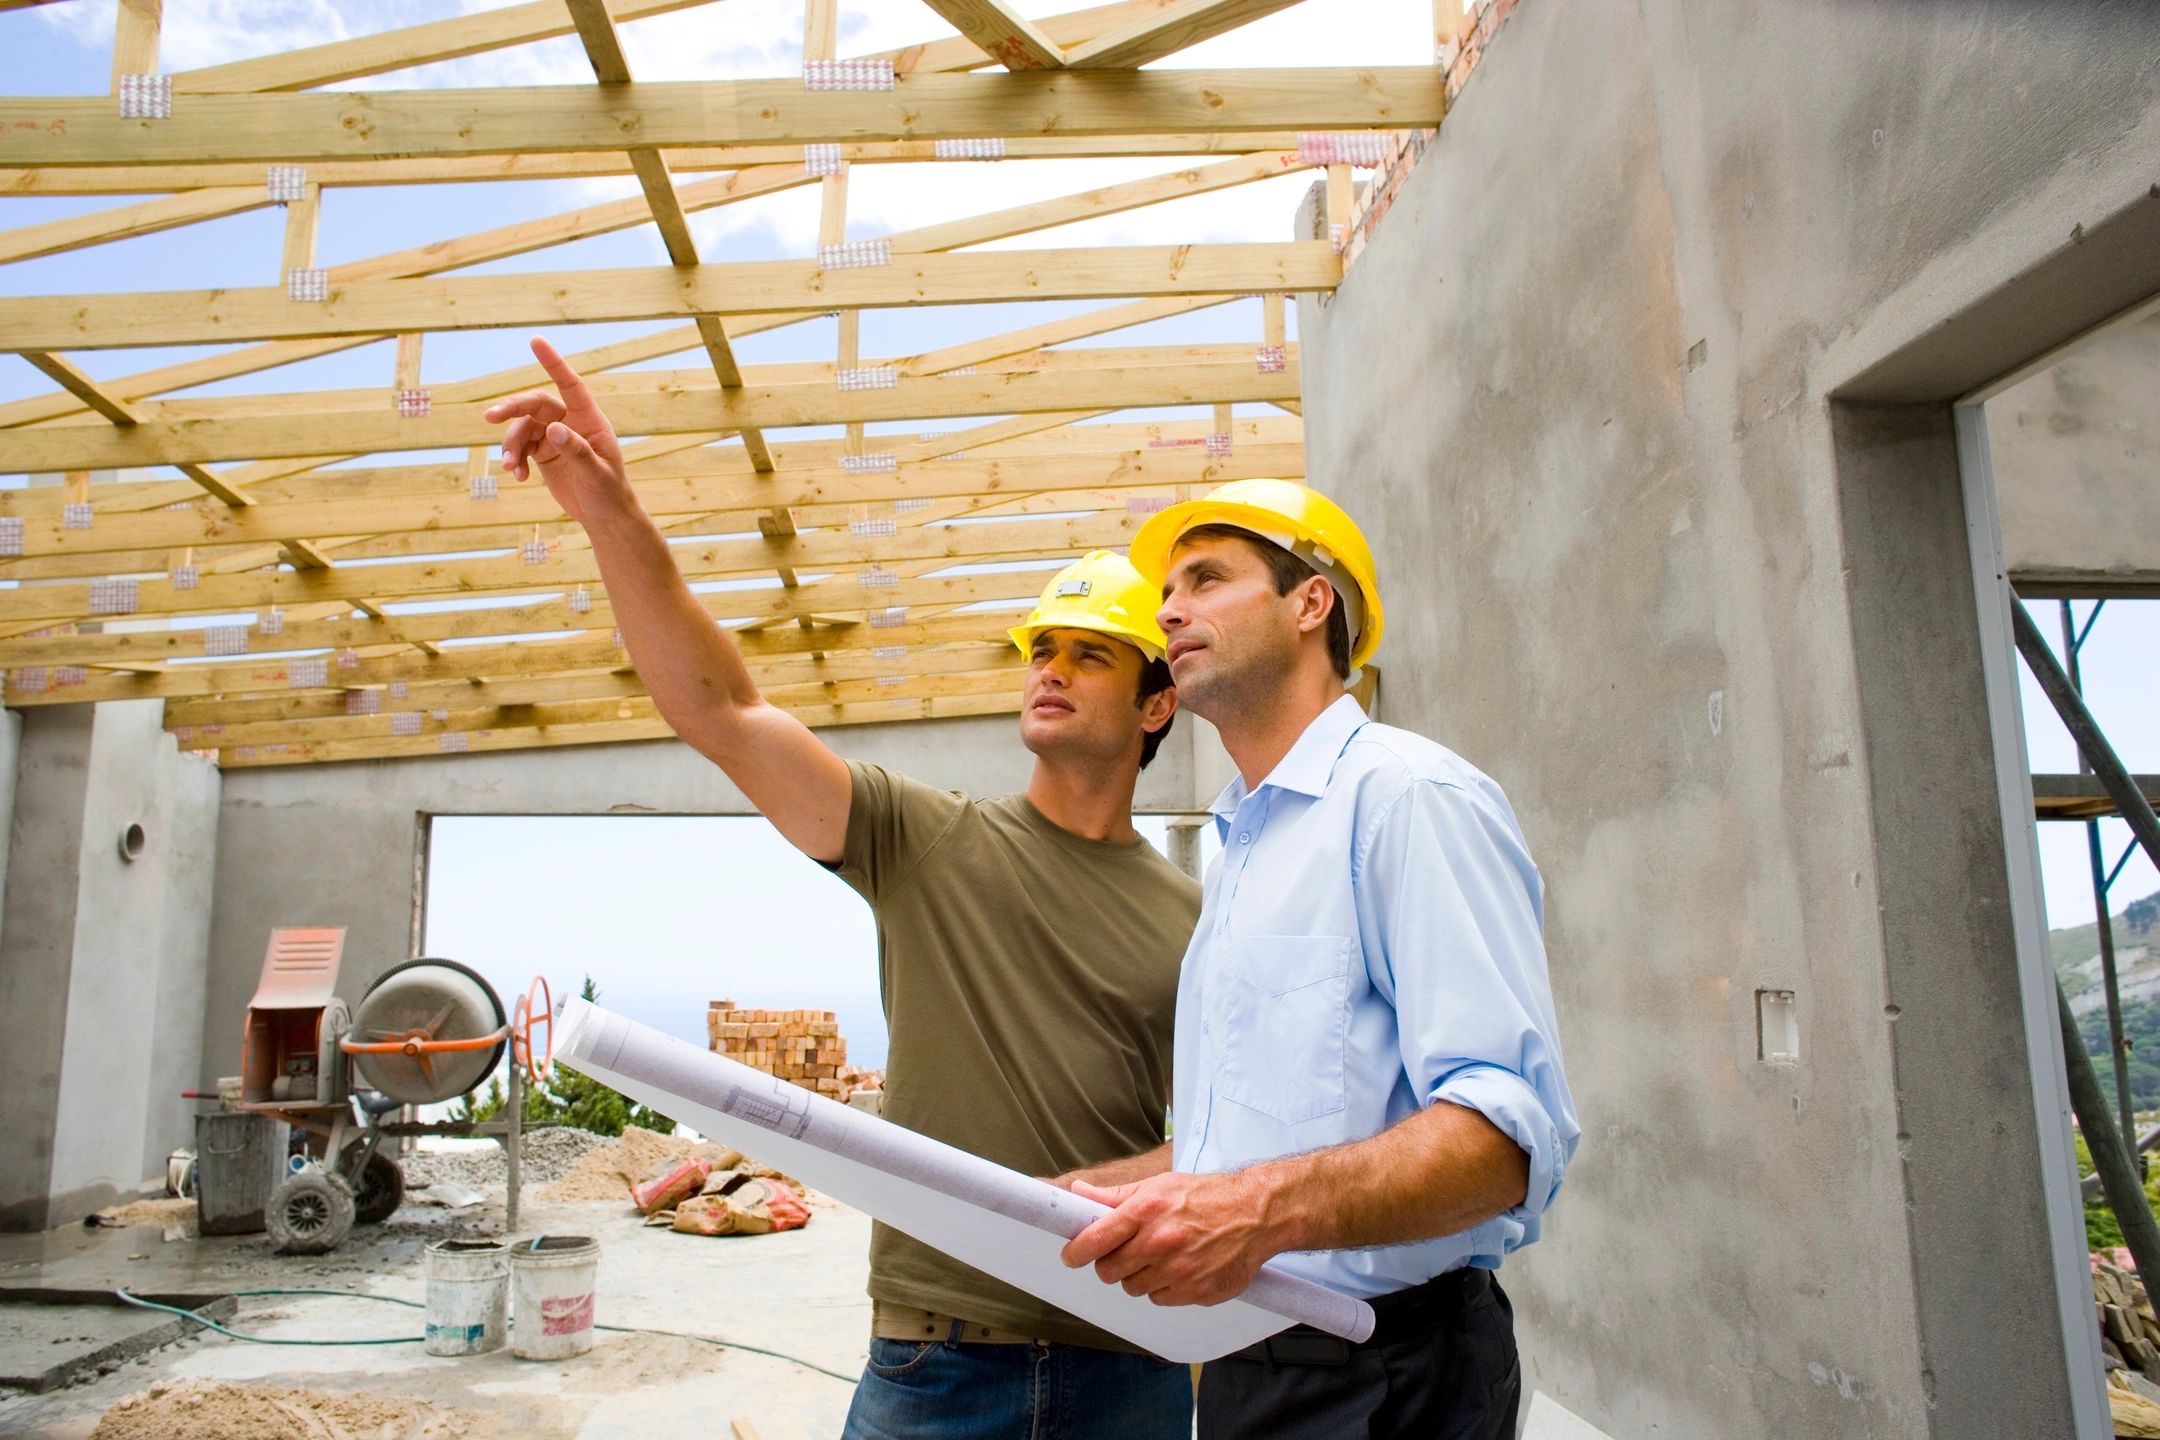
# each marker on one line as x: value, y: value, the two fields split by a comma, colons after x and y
x: 445, y: 1001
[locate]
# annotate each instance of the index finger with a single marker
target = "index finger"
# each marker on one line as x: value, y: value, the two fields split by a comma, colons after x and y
x: 1099, y: 1239
x: 572, y: 386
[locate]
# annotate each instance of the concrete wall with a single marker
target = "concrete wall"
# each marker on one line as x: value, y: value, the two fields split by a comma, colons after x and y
x: 2077, y: 467
x: 102, y: 958
x: 345, y: 844
x: 1647, y: 371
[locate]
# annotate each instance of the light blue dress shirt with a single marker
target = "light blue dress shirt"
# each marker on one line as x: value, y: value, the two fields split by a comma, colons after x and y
x: 1370, y: 944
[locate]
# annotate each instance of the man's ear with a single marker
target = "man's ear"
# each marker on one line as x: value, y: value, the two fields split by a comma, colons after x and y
x: 1156, y: 710
x: 1316, y: 598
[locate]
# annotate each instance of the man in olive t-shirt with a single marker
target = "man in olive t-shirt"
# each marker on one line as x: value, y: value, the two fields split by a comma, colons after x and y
x: 1028, y: 975
x: 1028, y: 946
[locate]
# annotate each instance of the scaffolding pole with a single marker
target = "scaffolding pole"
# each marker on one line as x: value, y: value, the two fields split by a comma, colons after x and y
x: 2111, y: 988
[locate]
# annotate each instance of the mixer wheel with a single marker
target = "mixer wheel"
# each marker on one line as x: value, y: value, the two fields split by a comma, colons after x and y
x: 310, y: 1213
x: 381, y: 1190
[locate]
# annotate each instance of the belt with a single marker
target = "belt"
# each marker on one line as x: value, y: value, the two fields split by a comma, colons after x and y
x: 902, y: 1322
x: 1420, y: 1310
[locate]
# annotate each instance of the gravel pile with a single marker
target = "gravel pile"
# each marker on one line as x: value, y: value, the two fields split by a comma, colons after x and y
x: 548, y: 1156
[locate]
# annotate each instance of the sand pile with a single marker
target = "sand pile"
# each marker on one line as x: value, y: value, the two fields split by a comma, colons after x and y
x: 210, y: 1410
x: 608, y: 1172
x: 158, y: 1212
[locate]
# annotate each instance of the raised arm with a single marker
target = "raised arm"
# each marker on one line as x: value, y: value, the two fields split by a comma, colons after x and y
x: 694, y: 669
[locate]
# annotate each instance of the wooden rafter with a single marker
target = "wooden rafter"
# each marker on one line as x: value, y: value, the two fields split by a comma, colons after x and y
x: 404, y: 48
x: 1000, y: 32
x: 686, y: 160
x: 508, y: 575
x: 659, y: 412
x: 1004, y: 701
x: 817, y: 460
x: 825, y: 597
x: 611, y: 67
x: 571, y: 653
x: 856, y: 597
x: 389, y: 307
x: 526, y: 236
x: 311, y: 127
x: 1151, y: 37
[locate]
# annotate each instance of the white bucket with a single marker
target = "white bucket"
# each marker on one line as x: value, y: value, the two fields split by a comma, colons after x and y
x: 553, y: 1276
x: 468, y: 1296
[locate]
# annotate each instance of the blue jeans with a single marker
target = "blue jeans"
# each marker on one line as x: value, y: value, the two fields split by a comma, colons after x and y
x: 937, y: 1390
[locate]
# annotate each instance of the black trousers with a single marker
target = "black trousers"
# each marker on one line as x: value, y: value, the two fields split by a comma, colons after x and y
x: 1441, y: 1365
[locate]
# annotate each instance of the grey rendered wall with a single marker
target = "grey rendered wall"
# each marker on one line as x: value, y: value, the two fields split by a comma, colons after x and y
x: 342, y: 844
x: 101, y: 958
x: 10, y: 751
x: 2077, y: 469
x: 37, y: 951
x: 1652, y: 563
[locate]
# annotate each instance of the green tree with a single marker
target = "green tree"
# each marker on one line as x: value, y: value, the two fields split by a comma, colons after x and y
x: 2102, y: 1230
x: 2141, y: 1026
x: 568, y: 1098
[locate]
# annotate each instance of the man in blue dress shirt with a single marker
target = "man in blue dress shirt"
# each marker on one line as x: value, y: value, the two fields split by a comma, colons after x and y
x: 1367, y: 1082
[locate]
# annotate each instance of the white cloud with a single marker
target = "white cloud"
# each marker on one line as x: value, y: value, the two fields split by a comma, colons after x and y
x: 195, y: 33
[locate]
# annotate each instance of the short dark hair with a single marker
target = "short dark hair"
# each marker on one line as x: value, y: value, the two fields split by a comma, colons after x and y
x: 1288, y: 572
x: 1154, y: 679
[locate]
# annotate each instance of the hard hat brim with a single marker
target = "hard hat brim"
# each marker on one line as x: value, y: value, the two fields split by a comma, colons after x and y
x: 1023, y: 636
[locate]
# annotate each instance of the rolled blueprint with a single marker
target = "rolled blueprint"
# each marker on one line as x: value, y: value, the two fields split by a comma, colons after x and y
x: 997, y: 1220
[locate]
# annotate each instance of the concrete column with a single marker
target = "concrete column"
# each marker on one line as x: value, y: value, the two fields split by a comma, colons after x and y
x: 37, y: 952
x: 102, y: 954
x: 1185, y: 843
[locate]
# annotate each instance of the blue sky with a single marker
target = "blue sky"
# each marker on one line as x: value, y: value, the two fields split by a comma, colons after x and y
x: 665, y: 913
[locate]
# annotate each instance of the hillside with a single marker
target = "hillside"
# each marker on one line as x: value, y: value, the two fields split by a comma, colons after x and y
x: 2137, y: 963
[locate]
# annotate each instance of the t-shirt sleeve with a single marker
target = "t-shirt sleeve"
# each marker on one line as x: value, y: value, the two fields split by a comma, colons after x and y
x: 892, y: 823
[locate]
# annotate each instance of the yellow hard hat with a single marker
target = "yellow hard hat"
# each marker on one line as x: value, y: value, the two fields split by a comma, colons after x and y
x: 1296, y: 517
x: 1100, y: 592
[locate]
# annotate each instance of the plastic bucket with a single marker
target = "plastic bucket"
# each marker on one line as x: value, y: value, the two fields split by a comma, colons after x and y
x: 468, y: 1297
x: 553, y: 1276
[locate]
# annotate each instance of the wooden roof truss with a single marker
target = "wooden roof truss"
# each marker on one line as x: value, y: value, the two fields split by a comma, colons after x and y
x: 284, y: 592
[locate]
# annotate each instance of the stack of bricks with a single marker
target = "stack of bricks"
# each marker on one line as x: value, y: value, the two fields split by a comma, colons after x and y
x: 801, y: 1046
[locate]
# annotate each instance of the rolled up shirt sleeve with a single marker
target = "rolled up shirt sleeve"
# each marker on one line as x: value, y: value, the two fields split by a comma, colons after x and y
x: 1451, y: 908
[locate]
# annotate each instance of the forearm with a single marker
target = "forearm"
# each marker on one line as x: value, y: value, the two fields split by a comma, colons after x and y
x: 704, y: 690
x: 693, y: 670
x: 1121, y: 1172
x: 1434, y: 1173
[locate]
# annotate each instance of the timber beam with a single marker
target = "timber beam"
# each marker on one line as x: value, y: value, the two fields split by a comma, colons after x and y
x: 43, y: 131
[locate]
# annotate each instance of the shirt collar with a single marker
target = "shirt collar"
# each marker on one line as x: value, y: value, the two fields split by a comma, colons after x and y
x: 1309, y: 762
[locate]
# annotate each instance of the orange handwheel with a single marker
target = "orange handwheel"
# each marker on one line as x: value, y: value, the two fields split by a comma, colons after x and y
x: 538, y: 1060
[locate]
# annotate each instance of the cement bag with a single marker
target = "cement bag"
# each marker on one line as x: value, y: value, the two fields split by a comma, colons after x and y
x: 668, y: 1184
x: 744, y: 1206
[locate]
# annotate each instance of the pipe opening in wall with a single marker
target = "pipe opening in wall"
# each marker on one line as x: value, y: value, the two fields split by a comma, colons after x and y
x: 132, y: 840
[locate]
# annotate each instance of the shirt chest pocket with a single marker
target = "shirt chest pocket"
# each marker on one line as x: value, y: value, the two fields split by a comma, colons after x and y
x: 1284, y: 1012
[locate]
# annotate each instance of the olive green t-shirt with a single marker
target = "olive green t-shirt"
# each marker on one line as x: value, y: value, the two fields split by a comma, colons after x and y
x: 1030, y: 980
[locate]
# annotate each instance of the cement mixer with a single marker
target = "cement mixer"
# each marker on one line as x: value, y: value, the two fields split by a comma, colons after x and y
x: 427, y: 1030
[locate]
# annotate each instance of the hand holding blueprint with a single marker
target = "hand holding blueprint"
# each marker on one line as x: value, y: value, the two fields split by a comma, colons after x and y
x: 999, y: 1221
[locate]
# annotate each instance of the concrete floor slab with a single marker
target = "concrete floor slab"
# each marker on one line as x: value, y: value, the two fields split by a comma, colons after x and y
x: 798, y: 1293
x: 52, y: 1338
